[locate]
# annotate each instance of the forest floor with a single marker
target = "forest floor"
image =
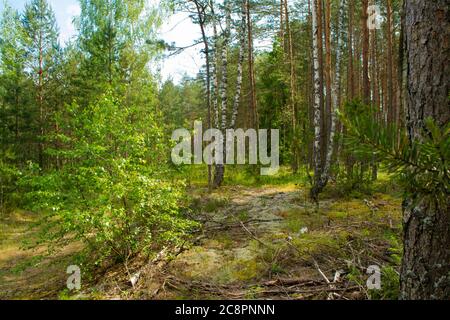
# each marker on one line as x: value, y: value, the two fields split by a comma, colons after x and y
x: 256, y: 242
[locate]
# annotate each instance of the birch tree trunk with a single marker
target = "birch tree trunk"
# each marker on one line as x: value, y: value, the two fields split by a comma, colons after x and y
x: 425, y: 271
x: 214, y: 74
x: 390, y: 72
x: 322, y: 181
x: 251, y: 69
x: 237, y: 95
x: 316, y: 101
x: 220, y: 168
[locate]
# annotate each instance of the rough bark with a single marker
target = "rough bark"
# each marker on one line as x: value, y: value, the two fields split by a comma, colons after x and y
x: 390, y: 72
x: 350, y: 80
x: 365, y: 51
x: 328, y: 66
x: 425, y: 271
x: 201, y: 14
x: 292, y: 89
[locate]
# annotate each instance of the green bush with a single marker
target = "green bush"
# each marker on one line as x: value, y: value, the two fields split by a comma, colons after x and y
x: 8, y: 178
x: 112, y: 191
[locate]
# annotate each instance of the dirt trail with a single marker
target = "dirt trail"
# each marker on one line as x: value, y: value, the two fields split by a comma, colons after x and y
x: 254, y: 241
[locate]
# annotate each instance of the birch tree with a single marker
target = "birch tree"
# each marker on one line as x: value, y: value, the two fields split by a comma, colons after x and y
x: 316, y: 100
x: 322, y: 180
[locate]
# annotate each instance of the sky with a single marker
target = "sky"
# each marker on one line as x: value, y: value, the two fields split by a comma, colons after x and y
x: 178, y: 29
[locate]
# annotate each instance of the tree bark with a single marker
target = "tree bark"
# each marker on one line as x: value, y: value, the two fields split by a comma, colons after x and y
x: 390, y: 72
x: 425, y: 271
x: 365, y: 52
x: 292, y: 89
x: 202, y: 19
x: 251, y: 69
x: 317, y: 123
x: 237, y: 95
x: 220, y: 168
x: 322, y: 181
x: 350, y: 80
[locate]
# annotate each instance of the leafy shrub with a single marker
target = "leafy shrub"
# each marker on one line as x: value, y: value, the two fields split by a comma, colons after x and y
x: 8, y: 178
x: 112, y: 191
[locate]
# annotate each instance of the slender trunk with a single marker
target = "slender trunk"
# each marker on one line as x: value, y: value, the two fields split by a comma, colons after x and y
x: 251, y: 68
x: 201, y: 17
x: 316, y: 105
x: 282, y: 24
x: 325, y: 174
x: 323, y: 122
x: 292, y: 89
x: 350, y: 80
x: 425, y: 267
x: 237, y: 95
x: 215, y: 74
x: 390, y: 72
x: 365, y: 52
x: 375, y: 105
x: 328, y: 101
x: 220, y: 168
x: 41, y: 103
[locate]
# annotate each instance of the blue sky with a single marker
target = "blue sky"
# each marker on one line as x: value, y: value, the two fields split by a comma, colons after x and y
x: 64, y: 10
x: 178, y: 29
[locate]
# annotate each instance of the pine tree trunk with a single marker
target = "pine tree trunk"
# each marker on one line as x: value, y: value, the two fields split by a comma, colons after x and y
x: 201, y: 14
x: 350, y: 73
x: 292, y: 89
x: 365, y: 52
x: 425, y: 271
x: 328, y: 101
x: 390, y: 73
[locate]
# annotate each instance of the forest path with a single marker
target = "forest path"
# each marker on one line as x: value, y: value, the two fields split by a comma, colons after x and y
x: 267, y: 242
x: 271, y: 242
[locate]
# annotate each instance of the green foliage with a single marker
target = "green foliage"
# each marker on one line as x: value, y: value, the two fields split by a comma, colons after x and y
x: 390, y: 289
x: 8, y: 177
x: 111, y: 193
x: 421, y: 165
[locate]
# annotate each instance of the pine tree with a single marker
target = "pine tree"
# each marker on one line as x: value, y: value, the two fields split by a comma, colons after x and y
x: 42, y: 50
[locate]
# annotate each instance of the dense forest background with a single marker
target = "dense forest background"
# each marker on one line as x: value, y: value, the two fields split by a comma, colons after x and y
x: 358, y: 89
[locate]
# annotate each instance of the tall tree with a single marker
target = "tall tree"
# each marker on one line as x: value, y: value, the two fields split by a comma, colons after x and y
x: 390, y: 67
x: 426, y: 223
x: 324, y: 173
x: 13, y: 84
x: 42, y: 49
x: 251, y: 67
x: 316, y: 98
x: 292, y: 90
x: 365, y: 51
x: 202, y: 16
